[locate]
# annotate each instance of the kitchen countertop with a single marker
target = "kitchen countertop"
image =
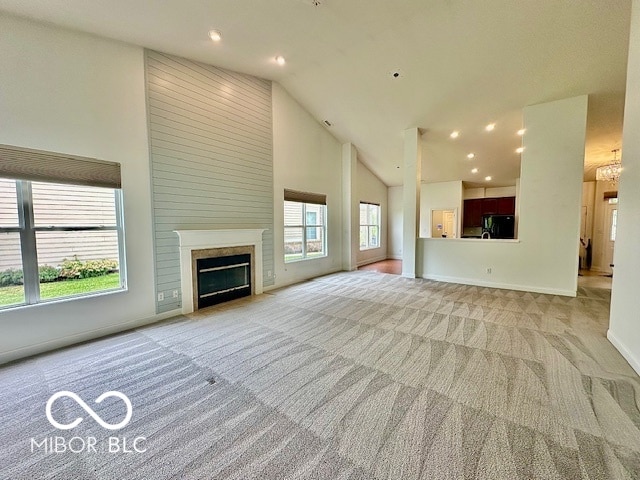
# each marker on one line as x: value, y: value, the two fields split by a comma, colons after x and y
x: 476, y: 239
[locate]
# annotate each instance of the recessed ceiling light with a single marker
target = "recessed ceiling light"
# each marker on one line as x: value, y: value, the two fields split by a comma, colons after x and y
x: 215, y: 35
x: 490, y: 127
x: 519, y: 149
x: 488, y: 178
x: 280, y: 60
x: 471, y: 155
x: 521, y: 131
x: 474, y: 170
x: 455, y: 134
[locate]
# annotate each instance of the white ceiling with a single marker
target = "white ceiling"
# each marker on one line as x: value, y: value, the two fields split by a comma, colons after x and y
x: 462, y: 64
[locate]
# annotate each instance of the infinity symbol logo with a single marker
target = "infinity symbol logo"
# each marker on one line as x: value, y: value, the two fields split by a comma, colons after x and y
x: 89, y: 410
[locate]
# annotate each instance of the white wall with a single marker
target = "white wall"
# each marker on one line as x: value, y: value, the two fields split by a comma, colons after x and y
x: 490, y: 192
x: 308, y: 158
x: 624, y: 326
x: 74, y: 93
x: 439, y: 196
x: 470, y: 193
x: 394, y: 223
x: 497, y: 192
x: 545, y: 256
x: 371, y: 189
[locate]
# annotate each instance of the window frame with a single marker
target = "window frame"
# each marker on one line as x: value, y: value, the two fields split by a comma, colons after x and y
x: 304, y: 227
x: 369, y: 225
x: 27, y: 230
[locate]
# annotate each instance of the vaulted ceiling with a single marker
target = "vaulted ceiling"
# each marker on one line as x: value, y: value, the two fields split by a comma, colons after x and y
x: 462, y: 64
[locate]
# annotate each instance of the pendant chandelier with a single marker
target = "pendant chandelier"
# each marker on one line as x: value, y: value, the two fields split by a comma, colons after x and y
x: 610, y: 172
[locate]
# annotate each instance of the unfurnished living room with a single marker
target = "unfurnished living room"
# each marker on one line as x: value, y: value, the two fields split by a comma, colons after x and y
x: 319, y: 239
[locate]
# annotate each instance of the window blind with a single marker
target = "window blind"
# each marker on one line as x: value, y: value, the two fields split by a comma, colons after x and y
x: 39, y: 165
x: 305, y: 197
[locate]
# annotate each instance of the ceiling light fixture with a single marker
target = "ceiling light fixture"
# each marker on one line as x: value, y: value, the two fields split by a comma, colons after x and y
x: 474, y: 170
x: 455, y: 134
x: 610, y: 172
x: 521, y: 131
x: 488, y: 178
x: 280, y: 60
x: 490, y: 127
x: 519, y: 149
x: 471, y: 155
x: 215, y: 35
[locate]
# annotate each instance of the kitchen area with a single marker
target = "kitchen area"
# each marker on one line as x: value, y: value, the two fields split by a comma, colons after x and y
x: 457, y: 210
x: 488, y: 218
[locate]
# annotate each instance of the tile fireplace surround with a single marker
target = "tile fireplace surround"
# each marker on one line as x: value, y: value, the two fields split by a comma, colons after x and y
x: 192, y: 242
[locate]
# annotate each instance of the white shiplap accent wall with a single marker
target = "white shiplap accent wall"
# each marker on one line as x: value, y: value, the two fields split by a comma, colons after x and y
x: 211, y: 145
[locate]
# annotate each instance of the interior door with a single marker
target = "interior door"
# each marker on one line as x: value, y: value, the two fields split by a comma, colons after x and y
x: 449, y: 223
x: 610, y: 235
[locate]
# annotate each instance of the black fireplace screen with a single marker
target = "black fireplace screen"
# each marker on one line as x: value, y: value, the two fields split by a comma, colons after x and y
x: 223, y: 278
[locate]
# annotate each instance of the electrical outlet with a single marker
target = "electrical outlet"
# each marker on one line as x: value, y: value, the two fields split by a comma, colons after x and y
x: 175, y: 294
x: 160, y: 296
x: 489, y: 270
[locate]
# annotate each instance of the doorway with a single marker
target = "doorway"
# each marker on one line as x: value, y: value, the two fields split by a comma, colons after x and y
x: 444, y: 223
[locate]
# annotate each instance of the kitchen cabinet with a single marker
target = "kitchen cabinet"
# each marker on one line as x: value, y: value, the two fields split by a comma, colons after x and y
x: 489, y: 206
x: 475, y: 208
x: 472, y: 213
x: 507, y: 206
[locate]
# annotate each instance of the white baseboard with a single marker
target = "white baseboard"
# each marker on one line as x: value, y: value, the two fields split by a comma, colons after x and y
x: 394, y: 257
x: 624, y: 351
x: 47, y: 346
x: 505, y: 286
x: 293, y: 281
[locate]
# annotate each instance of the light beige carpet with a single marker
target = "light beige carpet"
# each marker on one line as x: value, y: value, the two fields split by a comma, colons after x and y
x: 350, y: 376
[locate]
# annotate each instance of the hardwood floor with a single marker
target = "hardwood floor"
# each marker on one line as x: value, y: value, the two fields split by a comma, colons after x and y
x: 587, y: 279
x: 385, y: 266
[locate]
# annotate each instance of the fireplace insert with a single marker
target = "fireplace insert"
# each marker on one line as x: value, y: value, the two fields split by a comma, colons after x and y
x: 223, y: 278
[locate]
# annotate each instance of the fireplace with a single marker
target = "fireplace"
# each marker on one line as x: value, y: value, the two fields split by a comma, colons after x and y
x: 223, y: 278
x: 219, y: 265
x: 221, y: 274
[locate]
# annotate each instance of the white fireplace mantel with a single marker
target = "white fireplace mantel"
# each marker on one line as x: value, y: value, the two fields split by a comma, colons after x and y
x: 201, y: 239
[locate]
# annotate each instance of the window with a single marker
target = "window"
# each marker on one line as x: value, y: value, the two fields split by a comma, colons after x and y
x: 305, y: 230
x: 312, y: 219
x: 369, y: 225
x: 61, y: 226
